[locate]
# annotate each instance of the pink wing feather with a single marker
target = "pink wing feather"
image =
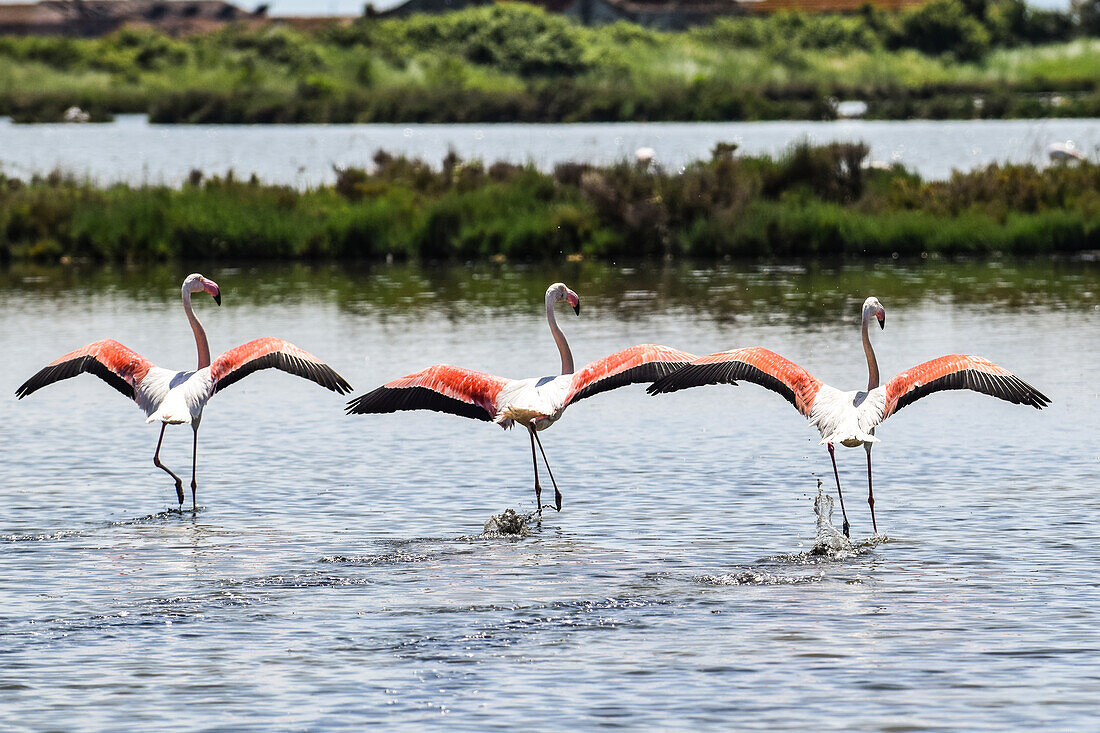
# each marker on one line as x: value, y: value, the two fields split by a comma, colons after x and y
x: 442, y: 388
x: 120, y: 367
x: 753, y: 364
x: 273, y: 353
x: 641, y: 363
x: 959, y: 371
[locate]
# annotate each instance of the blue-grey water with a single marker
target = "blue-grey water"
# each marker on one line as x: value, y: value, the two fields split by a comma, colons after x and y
x: 334, y: 575
x: 133, y: 151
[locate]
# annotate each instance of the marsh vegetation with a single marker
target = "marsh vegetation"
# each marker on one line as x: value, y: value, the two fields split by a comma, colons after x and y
x: 512, y: 62
x: 809, y: 201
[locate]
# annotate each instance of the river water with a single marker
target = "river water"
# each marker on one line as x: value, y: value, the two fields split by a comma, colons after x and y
x: 335, y: 574
x: 133, y: 151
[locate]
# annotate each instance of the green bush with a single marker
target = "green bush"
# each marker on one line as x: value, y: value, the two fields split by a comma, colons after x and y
x: 511, y: 37
x: 810, y: 201
x: 944, y: 27
x: 513, y: 62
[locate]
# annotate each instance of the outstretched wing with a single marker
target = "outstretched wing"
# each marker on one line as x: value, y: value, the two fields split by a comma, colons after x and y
x: 754, y: 364
x: 641, y: 363
x: 442, y: 388
x: 272, y: 353
x: 959, y: 371
x: 118, y: 366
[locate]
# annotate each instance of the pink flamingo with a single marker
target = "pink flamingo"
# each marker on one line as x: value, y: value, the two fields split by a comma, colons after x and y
x: 174, y: 398
x: 536, y: 403
x: 849, y: 418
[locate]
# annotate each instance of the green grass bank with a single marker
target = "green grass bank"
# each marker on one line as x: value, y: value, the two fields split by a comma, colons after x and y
x: 812, y: 201
x: 514, y: 62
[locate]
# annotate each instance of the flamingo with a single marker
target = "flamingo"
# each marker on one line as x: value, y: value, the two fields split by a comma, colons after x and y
x: 1064, y: 152
x: 535, y: 403
x: 850, y: 418
x: 174, y: 398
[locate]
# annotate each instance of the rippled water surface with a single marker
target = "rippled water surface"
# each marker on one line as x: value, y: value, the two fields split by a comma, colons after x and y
x: 334, y: 575
x: 132, y: 150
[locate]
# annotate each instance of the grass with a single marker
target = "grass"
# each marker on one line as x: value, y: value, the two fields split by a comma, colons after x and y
x: 512, y: 62
x: 812, y: 201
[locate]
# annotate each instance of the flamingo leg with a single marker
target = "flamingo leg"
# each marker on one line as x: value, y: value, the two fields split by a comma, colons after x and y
x: 194, y: 462
x: 161, y: 466
x: 870, y: 490
x: 557, y: 493
x: 839, y: 493
x: 535, y: 464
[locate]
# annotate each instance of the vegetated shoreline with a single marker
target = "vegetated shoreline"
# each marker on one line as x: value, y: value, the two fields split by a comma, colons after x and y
x: 510, y: 62
x: 811, y: 201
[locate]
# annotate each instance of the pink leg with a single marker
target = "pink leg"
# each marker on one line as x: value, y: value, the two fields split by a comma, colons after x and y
x: 870, y: 491
x: 194, y: 461
x: 838, y: 491
x: 161, y: 466
x: 557, y: 494
x: 535, y: 464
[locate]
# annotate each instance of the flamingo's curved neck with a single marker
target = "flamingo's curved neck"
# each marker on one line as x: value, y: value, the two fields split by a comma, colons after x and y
x: 872, y: 363
x: 559, y: 337
x: 201, y: 343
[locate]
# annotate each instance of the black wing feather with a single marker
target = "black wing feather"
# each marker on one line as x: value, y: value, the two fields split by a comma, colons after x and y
x: 84, y: 364
x: 641, y: 373
x: 721, y: 372
x: 321, y: 374
x: 390, y: 399
x: 1008, y: 387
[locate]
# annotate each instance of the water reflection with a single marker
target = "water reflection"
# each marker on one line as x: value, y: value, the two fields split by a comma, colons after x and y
x: 802, y: 292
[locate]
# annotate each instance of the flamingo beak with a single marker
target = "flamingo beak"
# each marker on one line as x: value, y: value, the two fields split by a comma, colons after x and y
x: 577, y: 308
x: 212, y: 287
x: 881, y: 321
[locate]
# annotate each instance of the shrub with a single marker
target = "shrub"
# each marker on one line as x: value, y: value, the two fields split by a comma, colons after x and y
x: 811, y: 201
x: 944, y: 26
x: 512, y: 37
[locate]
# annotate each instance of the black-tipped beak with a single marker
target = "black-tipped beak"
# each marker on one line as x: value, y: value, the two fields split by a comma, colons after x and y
x: 881, y: 322
x: 577, y: 309
x: 218, y: 298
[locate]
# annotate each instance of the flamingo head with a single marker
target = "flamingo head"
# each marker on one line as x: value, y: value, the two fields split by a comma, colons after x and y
x: 560, y: 291
x: 873, y: 308
x: 196, y: 283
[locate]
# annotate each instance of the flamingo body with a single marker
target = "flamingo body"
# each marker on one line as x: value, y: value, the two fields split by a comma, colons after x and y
x: 535, y: 403
x: 540, y: 401
x: 850, y: 418
x: 178, y: 397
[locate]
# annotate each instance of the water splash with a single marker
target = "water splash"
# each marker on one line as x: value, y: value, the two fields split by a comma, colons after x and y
x: 756, y: 576
x: 830, y: 541
x: 509, y: 523
x: 43, y: 537
x: 388, y: 558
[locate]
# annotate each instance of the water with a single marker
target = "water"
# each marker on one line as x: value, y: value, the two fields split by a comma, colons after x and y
x: 134, y: 151
x: 335, y: 577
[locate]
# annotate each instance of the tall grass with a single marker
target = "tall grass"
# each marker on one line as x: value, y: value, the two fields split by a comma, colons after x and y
x: 811, y: 201
x: 516, y: 62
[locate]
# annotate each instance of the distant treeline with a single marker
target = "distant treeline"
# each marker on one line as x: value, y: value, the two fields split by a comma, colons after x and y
x: 513, y: 62
x: 812, y: 201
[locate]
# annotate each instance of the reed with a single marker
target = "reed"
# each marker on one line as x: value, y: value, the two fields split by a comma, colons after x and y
x: 513, y: 62
x: 811, y: 201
